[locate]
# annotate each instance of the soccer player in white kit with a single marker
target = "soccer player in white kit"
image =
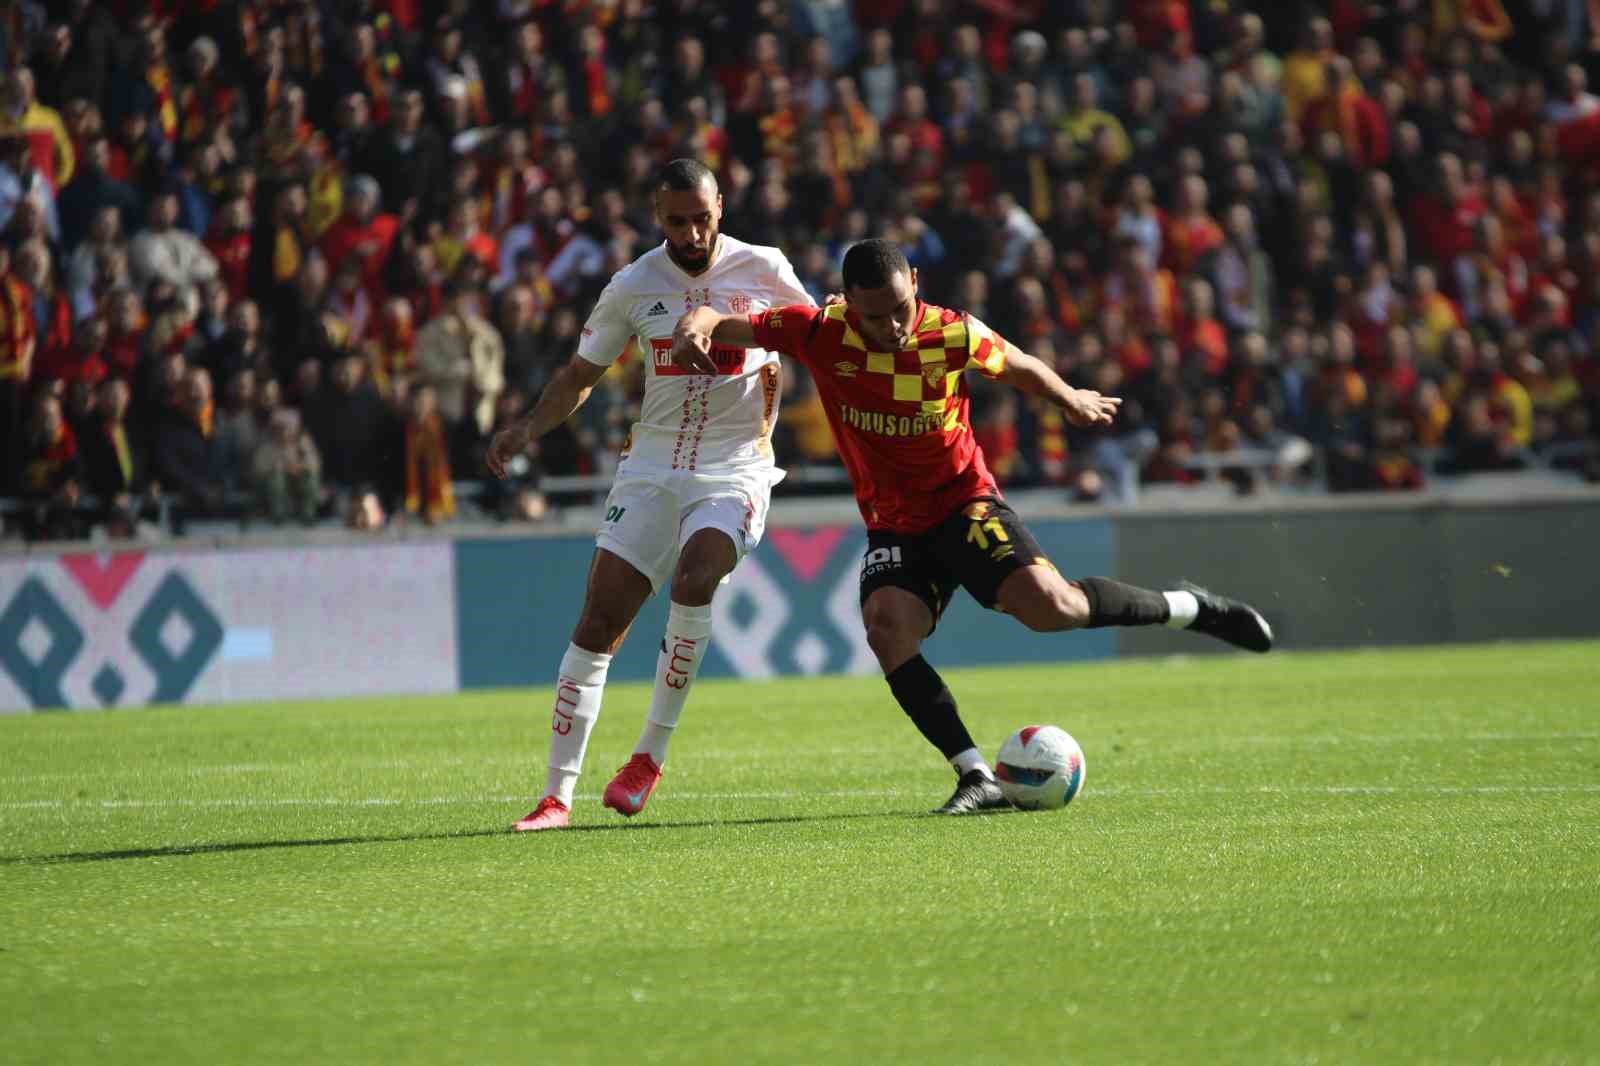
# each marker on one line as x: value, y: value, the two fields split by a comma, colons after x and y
x: 691, y: 492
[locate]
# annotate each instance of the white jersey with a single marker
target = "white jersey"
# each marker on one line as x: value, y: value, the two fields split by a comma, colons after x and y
x: 694, y: 421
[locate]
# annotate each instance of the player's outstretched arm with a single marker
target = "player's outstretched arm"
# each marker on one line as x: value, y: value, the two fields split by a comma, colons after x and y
x: 1083, y: 407
x: 696, y: 330
x: 564, y: 394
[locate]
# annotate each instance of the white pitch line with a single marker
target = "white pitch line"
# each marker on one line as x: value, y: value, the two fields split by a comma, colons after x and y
x: 1104, y: 792
x: 1133, y: 747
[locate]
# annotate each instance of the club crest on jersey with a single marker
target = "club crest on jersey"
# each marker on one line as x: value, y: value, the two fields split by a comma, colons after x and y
x: 739, y: 305
x: 932, y: 373
x: 977, y: 510
x: 845, y: 369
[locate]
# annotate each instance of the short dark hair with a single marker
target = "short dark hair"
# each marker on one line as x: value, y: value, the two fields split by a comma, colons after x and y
x: 871, y: 263
x: 685, y: 175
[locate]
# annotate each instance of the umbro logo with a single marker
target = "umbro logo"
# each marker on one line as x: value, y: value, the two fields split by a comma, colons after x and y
x: 845, y: 369
x: 659, y: 309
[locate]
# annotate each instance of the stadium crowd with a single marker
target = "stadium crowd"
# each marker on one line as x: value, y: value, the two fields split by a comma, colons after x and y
x: 301, y: 259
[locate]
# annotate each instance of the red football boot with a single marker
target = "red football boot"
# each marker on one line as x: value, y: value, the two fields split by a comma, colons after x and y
x: 550, y: 814
x: 632, y: 786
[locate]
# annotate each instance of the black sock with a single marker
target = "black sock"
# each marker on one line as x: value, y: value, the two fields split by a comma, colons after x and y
x: 1111, y: 603
x: 925, y: 697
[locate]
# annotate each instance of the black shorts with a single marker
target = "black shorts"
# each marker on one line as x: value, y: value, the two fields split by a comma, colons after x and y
x: 976, y: 548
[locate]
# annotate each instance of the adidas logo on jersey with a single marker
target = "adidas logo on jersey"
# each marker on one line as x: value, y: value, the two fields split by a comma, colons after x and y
x: 659, y: 309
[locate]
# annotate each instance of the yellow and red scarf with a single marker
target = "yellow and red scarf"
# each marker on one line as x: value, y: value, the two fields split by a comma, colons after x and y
x: 159, y: 78
x: 428, y: 488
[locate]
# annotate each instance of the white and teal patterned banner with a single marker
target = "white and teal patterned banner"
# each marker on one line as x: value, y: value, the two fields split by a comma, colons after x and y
x: 133, y: 628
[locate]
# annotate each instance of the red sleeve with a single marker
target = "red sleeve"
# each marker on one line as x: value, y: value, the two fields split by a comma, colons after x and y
x: 787, y: 330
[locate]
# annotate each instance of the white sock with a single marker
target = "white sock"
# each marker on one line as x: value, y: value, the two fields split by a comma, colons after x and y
x: 1184, y: 607
x: 688, y: 634
x: 578, y: 690
x: 969, y: 760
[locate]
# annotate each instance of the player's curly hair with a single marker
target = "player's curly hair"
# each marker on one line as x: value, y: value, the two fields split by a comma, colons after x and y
x: 871, y: 263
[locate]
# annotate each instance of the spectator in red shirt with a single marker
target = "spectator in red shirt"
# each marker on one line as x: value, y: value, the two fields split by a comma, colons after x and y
x: 1552, y: 271
x: 1157, y: 21
x: 1443, y: 217
x: 1345, y: 109
x: 1372, y: 308
x: 1398, y: 371
x: 1199, y: 333
x: 513, y: 182
x: 1191, y: 232
x: 527, y: 74
x: 1490, y: 262
x: 82, y: 360
x: 912, y: 119
x: 363, y: 233
x: 1147, y: 295
x: 1472, y: 116
x: 52, y: 318
x: 463, y: 236
x: 229, y: 242
x: 126, y: 319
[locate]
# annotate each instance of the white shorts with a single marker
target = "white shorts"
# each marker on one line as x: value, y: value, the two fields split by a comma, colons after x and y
x: 651, y: 515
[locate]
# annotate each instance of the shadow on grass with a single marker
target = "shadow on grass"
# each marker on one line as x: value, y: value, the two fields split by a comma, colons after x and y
x: 469, y: 834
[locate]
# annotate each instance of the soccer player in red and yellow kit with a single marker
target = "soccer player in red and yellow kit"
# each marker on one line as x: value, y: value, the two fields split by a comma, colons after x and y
x: 890, y: 370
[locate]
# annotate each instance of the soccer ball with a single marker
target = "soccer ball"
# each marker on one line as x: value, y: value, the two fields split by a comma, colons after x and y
x: 1040, y: 768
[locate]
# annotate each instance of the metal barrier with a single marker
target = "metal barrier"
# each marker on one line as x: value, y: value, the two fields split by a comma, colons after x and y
x: 238, y: 513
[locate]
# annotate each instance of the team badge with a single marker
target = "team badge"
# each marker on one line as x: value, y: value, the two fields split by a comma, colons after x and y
x: 739, y: 305
x: 932, y: 373
x: 977, y: 510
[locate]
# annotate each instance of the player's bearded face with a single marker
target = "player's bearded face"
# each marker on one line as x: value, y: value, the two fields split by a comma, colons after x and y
x: 887, y: 314
x: 691, y: 221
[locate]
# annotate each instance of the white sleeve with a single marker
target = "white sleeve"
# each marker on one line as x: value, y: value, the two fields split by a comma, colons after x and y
x: 606, y: 333
x: 786, y: 287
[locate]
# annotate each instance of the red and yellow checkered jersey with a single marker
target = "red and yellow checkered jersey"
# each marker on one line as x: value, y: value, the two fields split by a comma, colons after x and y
x: 901, y: 419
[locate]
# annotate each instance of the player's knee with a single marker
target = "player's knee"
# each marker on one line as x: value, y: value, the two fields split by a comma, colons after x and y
x: 599, y: 627
x: 891, y: 635
x: 694, y: 583
x: 706, y: 559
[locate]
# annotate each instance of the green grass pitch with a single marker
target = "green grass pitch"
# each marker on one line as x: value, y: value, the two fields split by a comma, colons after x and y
x: 1376, y: 857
